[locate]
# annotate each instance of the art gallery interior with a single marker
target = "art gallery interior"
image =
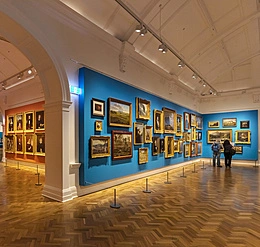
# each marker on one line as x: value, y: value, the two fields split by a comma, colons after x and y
x: 95, y: 95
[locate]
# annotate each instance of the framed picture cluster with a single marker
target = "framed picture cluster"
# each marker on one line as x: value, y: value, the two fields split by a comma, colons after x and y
x: 26, y: 133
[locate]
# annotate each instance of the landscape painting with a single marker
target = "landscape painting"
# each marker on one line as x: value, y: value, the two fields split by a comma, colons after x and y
x: 100, y: 146
x: 121, y: 144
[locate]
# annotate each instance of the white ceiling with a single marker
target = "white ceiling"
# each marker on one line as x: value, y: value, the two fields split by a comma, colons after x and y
x: 218, y: 39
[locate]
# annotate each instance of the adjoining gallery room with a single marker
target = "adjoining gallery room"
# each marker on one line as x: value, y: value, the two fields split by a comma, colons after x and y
x: 129, y: 123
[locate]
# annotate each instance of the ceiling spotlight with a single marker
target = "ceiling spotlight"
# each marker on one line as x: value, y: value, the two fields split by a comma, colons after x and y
x: 29, y: 71
x: 181, y: 64
x: 194, y: 76
x: 163, y: 48
x: 138, y: 28
x: 19, y: 77
x: 204, y: 84
x: 143, y: 32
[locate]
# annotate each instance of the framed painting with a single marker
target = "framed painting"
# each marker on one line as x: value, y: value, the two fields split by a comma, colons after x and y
x: 169, y: 120
x: 229, y: 122
x: 99, y: 146
x: 29, y: 143
x: 193, y: 134
x: 199, y: 122
x: 9, y: 143
x: 213, y: 124
x: 186, y: 119
x: 148, y: 134
x: 243, y: 136
x: 186, y: 150
x: 162, y: 145
x: 39, y: 120
x: 97, y: 107
x: 142, y: 155
x: 158, y: 121
x: 239, y: 149
x: 176, y: 146
x: 181, y: 146
x: 40, y: 144
x: 19, y: 122
x: 19, y: 147
x: 199, y: 148
x: 143, y: 108
x: 122, y: 143
x: 179, y: 125
x: 120, y: 113
x: 169, y: 146
x: 29, y: 121
x: 156, y: 145
x: 98, y: 126
x: 139, y: 132
x: 193, y: 150
x: 214, y: 135
x: 199, y: 136
x: 193, y: 121
x: 244, y: 124
x: 10, y: 124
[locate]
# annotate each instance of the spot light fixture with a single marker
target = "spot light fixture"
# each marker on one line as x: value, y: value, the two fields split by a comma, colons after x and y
x: 194, y: 76
x: 138, y: 28
x: 181, y: 64
x: 163, y: 48
x: 143, y: 32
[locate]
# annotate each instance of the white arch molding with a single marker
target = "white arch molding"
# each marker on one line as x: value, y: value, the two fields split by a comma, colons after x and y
x: 57, y: 101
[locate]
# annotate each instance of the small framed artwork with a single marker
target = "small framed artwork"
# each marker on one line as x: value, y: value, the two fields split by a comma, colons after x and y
x: 243, y: 136
x: 244, y: 124
x: 193, y: 151
x: 186, y: 119
x: 9, y: 143
x: 199, y: 136
x: 99, y: 146
x: 176, y: 146
x: 193, y: 121
x: 39, y: 120
x: 122, y: 143
x: 29, y: 143
x: 29, y: 122
x: 181, y: 146
x: 120, y: 113
x: 19, y: 147
x: 229, y: 122
x: 19, y: 122
x: 40, y: 144
x: 179, y: 125
x: 142, y: 155
x: 169, y: 120
x: 158, y: 121
x: 213, y: 124
x: 162, y: 145
x: 193, y: 133
x: 142, y: 109
x: 199, y: 148
x: 98, y: 126
x: 239, y: 149
x: 10, y: 124
x: 156, y: 145
x: 214, y: 135
x: 169, y: 146
x: 199, y: 122
x: 97, y: 107
x: 186, y: 150
x: 139, y: 132
x: 148, y: 134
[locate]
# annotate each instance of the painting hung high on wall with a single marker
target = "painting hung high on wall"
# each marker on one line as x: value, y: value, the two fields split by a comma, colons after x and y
x: 179, y: 125
x: 186, y: 120
x: 139, y: 133
x: 193, y: 121
x: 169, y: 120
x: 19, y: 122
x: 99, y: 146
x: 244, y: 124
x: 120, y: 113
x: 243, y: 136
x: 142, y: 109
x: 222, y: 134
x: 10, y: 124
x: 213, y: 124
x: 229, y: 122
x: 98, y: 107
x: 121, y: 145
x: 199, y: 122
x: 39, y: 120
x: 158, y: 121
x: 29, y: 122
x: 148, y: 134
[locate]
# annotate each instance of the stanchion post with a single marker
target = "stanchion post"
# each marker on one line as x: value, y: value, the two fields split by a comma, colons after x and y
x: 115, y: 205
x: 194, y: 171
x: 5, y: 162
x: 38, y: 183
x: 203, y: 167
x: 255, y: 166
x: 146, y: 186
x: 167, y: 179
x: 183, y: 176
x: 37, y: 171
x: 18, y: 166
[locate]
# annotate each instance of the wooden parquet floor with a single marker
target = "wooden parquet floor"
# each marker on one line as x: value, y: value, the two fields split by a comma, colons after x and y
x: 214, y: 207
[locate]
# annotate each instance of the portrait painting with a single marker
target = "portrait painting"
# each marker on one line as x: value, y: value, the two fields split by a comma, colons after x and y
x: 199, y: 148
x: 29, y: 121
x: 179, y: 125
x: 156, y: 145
x: 10, y: 124
x: 39, y: 120
x: 121, y: 145
x: 9, y: 143
x: 98, y: 125
x: 186, y: 119
x: 244, y: 124
x: 158, y: 121
x: 19, y: 144
x: 139, y: 132
x: 142, y: 109
x: 169, y: 120
x: 193, y: 121
x: 186, y: 150
x: 162, y: 145
x: 19, y: 122
x: 40, y: 144
x: 199, y: 122
x: 169, y: 146
x: 29, y: 143
x: 181, y: 146
x: 148, y: 134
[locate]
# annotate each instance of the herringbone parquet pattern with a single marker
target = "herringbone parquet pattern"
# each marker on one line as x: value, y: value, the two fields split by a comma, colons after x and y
x: 214, y: 207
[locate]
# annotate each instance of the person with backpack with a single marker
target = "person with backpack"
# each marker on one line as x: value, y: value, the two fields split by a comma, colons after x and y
x: 216, y: 149
x: 228, y: 152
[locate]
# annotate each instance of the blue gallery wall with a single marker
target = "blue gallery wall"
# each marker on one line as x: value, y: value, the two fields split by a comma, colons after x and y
x: 95, y: 85
x: 250, y: 151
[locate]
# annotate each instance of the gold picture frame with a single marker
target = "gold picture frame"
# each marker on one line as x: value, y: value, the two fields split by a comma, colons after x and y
x: 29, y: 121
x: 169, y: 121
x: 29, y: 143
x: 40, y: 144
x: 193, y: 121
x: 39, y: 120
x: 139, y: 133
x: 186, y: 120
x: 142, y: 156
x: 176, y: 146
x: 98, y: 107
x: 9, y: 143
x: 19, y: 123
x: 193, y: 150
x: 156, y: 145
x: 148, y: 137
x: 143, y: 108
x: 199, y: 121
x: 99, y: 146
x: 19, y: 144
x: 243, y: 136
x: 220, y: 134
x: 186, y: 150
x: 181, y: 146
x: 10, y: 124
x: 122, y: 143
x: 213, y: 124
x: 179, y: 130
x: 199, y: 148
x: 158, y: 121
x: 98, y: 125
x: 229, y: 122
x: 169, y: 146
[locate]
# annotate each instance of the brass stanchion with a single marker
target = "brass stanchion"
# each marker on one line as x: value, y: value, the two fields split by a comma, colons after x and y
x: 5, y: 162
x: 18, y: 166
x: 167, y: 179
x: 37, y: 171
x: 115, y: 205
x: 38, y: 182
x: 146, y: 187
x: 255, y: 166
x: 203, y: 166
x: 183, y: 176
x: 194, y: 170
